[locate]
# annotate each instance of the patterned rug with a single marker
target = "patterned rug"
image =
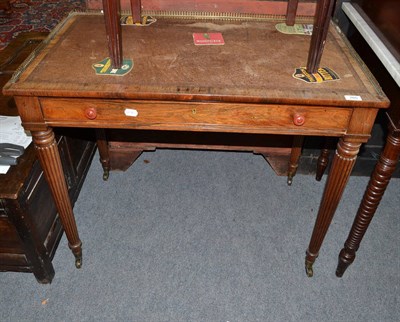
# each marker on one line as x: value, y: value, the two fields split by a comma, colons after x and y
x: 34, y: 15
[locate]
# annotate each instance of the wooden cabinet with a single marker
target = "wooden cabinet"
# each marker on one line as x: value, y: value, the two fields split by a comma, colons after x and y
x: 30, y: 229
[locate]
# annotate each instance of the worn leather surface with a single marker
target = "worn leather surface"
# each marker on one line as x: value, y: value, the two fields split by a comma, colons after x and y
x: 255, y: 63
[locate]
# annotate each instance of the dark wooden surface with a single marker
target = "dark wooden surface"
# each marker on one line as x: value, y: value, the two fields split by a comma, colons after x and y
x: 30, y: 228
x: 384, y: 15
x: 177, y: 86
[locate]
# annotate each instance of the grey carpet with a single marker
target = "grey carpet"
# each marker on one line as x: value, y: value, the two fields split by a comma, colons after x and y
x: 212, y: 236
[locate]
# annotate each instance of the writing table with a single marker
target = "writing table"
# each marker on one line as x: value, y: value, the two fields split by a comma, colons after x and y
x: 243, y: 86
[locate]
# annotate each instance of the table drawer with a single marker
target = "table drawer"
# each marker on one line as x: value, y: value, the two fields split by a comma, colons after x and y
x: 195, y: 116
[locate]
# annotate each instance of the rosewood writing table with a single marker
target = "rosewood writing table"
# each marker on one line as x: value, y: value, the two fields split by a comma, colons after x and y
x: 244, y: 85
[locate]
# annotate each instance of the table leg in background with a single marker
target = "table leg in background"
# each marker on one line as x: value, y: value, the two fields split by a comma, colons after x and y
x: 102, y: 145
x: 295, y: 157
x: 323, y: 159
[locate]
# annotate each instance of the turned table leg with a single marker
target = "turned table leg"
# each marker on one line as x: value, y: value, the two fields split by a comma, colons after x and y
x: 47, y: 151
x: 322, y: 163
x: 343, y: 162
x: 102, y: 145
x: 294, y: 158
x: 323, y: 159
x: 376, y: 188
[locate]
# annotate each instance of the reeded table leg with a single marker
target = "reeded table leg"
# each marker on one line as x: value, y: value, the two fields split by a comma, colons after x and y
x: 342, y: 165
x: 376, y: 188
x: 47, y: 151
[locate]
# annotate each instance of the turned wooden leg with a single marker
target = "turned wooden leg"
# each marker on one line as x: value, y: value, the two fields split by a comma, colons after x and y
x: 294, y: 157
x: 323, y: 159
x: 376, y: 188
x: 342, y: 164
x: 320, y: 31
x: 47, y: 151
x: 102, y: 145
x: 113, y: 29
x: 291, y: 12
x: 322, y: 163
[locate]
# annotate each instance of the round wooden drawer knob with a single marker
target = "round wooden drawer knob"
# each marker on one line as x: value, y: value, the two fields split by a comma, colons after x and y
x: 91, y: 113
x: 299, y: 119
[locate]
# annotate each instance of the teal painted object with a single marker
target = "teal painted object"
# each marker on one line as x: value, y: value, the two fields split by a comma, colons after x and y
x: 104, y: 67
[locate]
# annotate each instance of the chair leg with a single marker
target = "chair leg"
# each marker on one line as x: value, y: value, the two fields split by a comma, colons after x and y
x: 136, y: 8
x: 113, y: 29
x: 320, y: 31
x: 291, y: 12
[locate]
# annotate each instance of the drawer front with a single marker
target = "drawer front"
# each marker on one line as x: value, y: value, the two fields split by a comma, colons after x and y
x: 192, y: 116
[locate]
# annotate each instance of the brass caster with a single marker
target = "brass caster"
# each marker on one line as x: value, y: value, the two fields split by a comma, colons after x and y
x: 309, y: 269
x: 289, y: 180
x: 106, y: 174
x: 78, y: 262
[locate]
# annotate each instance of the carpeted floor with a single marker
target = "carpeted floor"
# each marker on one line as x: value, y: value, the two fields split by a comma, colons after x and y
x: 212, y: 236
x: 34, y: 15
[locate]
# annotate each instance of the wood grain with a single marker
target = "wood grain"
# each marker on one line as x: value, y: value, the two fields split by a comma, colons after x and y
x: 220, y: 117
